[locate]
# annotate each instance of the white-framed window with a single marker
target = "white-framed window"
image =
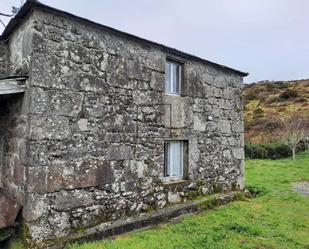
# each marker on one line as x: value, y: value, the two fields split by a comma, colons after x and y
x: 174, y: 159
x: 173, y: 77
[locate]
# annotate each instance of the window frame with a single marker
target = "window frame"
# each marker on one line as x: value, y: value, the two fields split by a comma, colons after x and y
x: 184, y: 160
x: 180, y: 64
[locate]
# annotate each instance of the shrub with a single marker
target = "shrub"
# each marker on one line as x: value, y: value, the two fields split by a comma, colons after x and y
x: 257, y: 123
x: 267, y: 151
x: 301, y: 100
x: 281, y: 109
x: 271, y: 150
x: 271, y: 124
x: 288, y: 94
x: 249, y: 96
x: 276, y: 85
x: 272, y: 99
x: 282, y: 84
x: 256, y: 191
x: 258, y: 112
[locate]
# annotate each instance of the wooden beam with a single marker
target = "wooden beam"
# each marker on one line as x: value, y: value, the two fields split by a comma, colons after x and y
x: 12, y: 85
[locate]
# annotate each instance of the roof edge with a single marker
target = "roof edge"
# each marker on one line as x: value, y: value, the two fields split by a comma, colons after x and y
x: 33, y: 4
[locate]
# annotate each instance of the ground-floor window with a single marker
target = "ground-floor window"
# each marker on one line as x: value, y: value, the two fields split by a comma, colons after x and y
x: 175, y: 154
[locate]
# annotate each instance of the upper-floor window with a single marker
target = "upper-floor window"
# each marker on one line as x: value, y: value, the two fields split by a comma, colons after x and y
x: 173, y: 77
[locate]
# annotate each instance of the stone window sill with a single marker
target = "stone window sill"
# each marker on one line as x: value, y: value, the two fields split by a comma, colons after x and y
x: 173, y: 94
x: 169, y: 181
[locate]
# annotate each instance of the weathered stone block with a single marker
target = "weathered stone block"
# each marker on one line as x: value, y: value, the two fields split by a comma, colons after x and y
x: 224, y: 126
x: 83, y: 124
x: 238, y: 153
x: 66, y: 201
x: 36, y: 205
x: 9, y: 209
x: 39, y: 100
x: 238, y: 126
x: 66, y: 175
x: 119, y: 152
x: 199, y: 124
x: 157, y: 81
x: 178, y: 112
x: 173, y: 197
x: 67, y: 103
x: 49, y: 127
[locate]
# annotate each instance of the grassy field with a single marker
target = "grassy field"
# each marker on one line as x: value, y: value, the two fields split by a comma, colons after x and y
x: 277, y: 218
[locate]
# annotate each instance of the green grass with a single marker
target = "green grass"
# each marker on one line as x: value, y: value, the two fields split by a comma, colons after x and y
x: 277, y: 218
x: 16, y: 244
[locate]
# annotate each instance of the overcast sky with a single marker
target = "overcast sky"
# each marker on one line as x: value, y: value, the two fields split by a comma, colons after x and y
x: 267, y: 38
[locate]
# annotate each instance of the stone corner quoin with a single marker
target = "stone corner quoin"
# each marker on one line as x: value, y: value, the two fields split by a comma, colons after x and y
x: 85, y: 143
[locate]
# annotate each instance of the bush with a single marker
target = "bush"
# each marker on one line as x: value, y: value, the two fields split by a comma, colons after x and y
x: 301, y: 100
x: 256, y: 191
x: 272, y: 124
x: 276, y: 85
x: 272, y: 99
x: 282, y: 109
x: 256, y: 123
x: 267, y: 151
x: 271, y: 151
x: 288, y: 94
x: 258, y: 112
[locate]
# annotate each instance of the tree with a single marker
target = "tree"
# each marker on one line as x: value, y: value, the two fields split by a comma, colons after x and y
x: 294, y: 131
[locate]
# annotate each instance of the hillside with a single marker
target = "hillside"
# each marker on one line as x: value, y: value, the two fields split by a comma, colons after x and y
x: 267, y: 103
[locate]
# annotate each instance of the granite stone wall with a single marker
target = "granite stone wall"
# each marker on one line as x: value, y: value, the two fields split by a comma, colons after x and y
x: 12, y: 158
x: 14, y: 55
x: 3, y: 59
x: 98, y: 118
x: 19, y: 49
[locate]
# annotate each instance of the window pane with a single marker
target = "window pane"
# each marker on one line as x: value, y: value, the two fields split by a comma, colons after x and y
x: 177, y: 159
x: 173, y: 78
x: 177, y: 76
x: 167, y: 159
x: 174, y: 159
x: 168, y: 77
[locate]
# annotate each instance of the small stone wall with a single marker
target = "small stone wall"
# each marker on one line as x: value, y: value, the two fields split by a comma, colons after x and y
x: 103, y: 231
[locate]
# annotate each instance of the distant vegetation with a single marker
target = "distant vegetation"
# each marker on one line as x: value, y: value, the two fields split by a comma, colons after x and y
x: 266, y: 103
x: 269, y: 106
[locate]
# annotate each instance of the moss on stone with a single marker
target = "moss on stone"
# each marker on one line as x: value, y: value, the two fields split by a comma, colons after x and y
x: 240, y: 196
x: 208, y: 204
x: 16, y: 244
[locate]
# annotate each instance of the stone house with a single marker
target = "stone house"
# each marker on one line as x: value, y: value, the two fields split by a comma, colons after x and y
x: 97, y: 125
